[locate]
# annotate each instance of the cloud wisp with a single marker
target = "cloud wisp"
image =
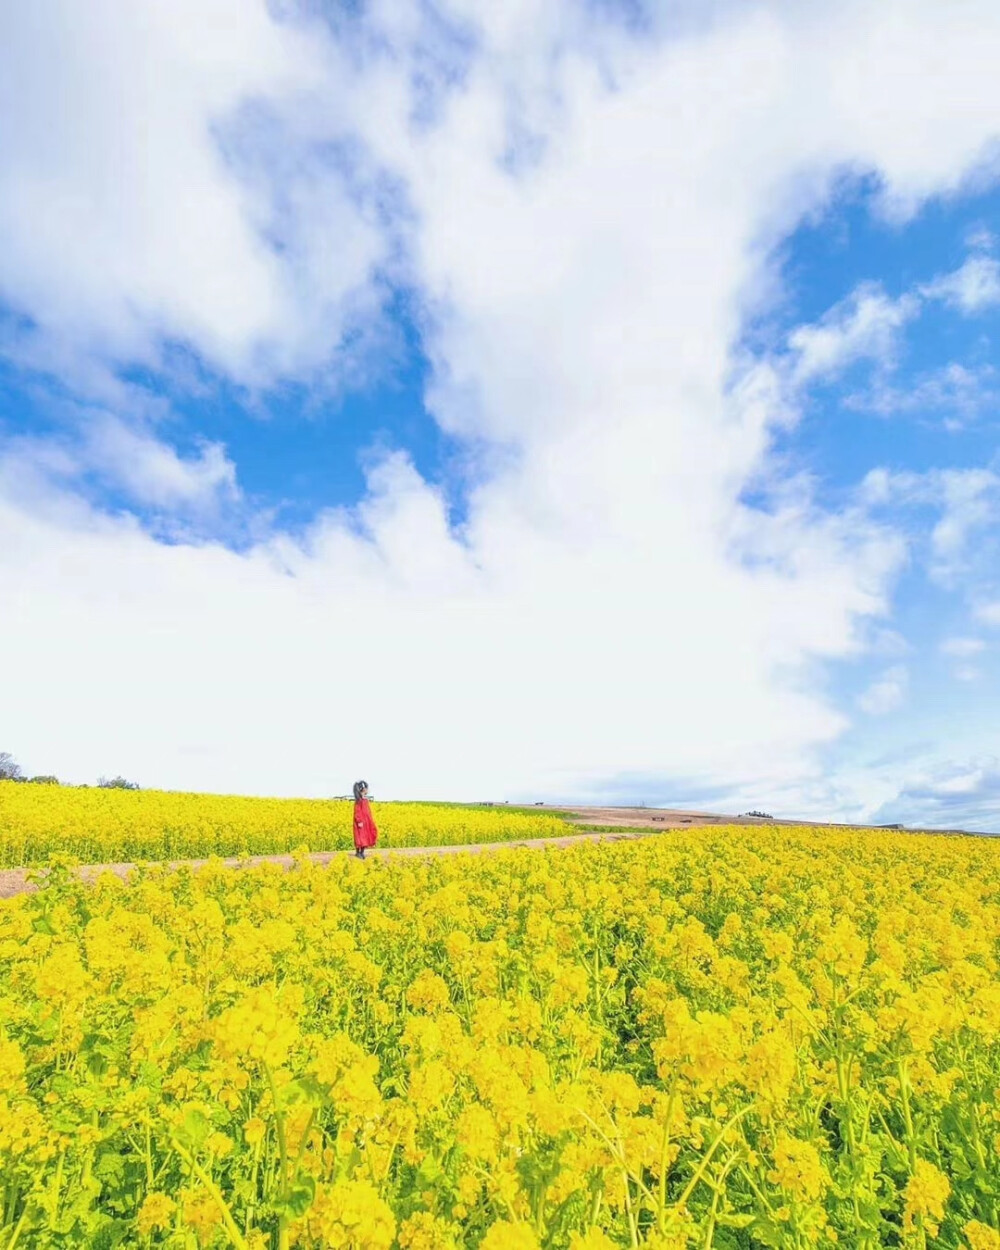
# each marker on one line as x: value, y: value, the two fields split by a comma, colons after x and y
x: 867, y: 325
x: 886, y: 693
x: 971, y: 289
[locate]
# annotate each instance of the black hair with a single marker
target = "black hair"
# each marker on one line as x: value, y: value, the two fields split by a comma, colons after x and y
x: 358, y: 787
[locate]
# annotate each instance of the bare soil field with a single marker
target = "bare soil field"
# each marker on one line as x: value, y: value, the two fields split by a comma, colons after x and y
x: 679, y: 818
x: 653, y: 817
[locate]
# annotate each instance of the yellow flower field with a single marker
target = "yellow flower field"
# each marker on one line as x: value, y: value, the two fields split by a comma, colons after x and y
x: 726, y: 1038
x: 111, y: 826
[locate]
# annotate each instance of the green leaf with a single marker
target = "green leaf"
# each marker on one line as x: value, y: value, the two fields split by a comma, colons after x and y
x: 735, y: 1221
x: 297, y: 1199
x: 430, y: 1171
x: 959, y: 1167
x: 767, y: 1233
x: 194, y: 1129
x: 110, y: 1166
x: 182, y: 1239
x: 97, y: 1063
x: 108, y: 1234
x: 304, y: 1089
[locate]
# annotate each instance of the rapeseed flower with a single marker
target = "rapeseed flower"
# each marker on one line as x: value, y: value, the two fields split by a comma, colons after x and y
x: 797, y: 1168
x: 925, y: 1196
x: 641, y: 1044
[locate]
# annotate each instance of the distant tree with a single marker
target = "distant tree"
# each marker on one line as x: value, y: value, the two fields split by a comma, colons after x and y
x: 10, y: 770
x: 44, y: 779
x: 117, y: 783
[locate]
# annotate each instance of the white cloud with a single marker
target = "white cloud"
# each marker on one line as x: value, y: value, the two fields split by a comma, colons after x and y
x: 384, y: 644
x: 900, y: 772
x: 128, y: 459
x: 980, y: 238
x: 970, y: 289
x: 958, y: 394
x: 962, y: 648
x: 151, y: 472
x: 968, y: 673
x: 989, y: 613
x: 962, y: 794
x: 971, y: 500
x: 867, y: 325
x: 134, y: 203
x: 886, y: 693
x: 967, y: 503
x: 587, y: 220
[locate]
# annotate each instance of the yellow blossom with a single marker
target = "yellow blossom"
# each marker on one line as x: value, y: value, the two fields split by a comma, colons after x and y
x: 424, y: 1231
x: 505, y: 1235
x: 352, y: 1216
x: 980, y: 1236
x: 156, y: 1212
x: 925, y: 1195
x: 797, y: 1168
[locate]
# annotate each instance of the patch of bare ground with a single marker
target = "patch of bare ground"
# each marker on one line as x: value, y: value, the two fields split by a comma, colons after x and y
x: 597, y: 824
x: 678, y: 818
x: 17, y: 880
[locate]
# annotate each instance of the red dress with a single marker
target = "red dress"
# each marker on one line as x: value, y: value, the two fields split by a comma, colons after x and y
x: 365, y: 833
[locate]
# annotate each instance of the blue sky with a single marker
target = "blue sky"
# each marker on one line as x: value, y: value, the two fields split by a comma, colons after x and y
x: 491, y: 405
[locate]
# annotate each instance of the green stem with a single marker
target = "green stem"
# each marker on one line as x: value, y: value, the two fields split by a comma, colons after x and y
x: 235, y: 1236
x: 304, y: 1142
x: 633, y: 1230
x: 388, y: 1166
x: 17, y: 1229
x: 700, y: 1170
x: 904, y: 1092
x: 844, y: 1087
x: 664, y: 1151
x: 595, y: 1208
x: 252, y: 1201
x: 911, y: 1145
x: 57, y: 1185
x: 619, y: 1155
x: 149, y: 1159
x: 279, y: 1123
x: 758, y: 1192
x: 710, y: 1227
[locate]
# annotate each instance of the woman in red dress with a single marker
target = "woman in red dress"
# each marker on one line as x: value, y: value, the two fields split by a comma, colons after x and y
x: 365, y: 833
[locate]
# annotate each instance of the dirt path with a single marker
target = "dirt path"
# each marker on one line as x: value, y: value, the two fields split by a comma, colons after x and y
x: 620, y: 822
x: 617, y: 824
x: 15, y: 880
